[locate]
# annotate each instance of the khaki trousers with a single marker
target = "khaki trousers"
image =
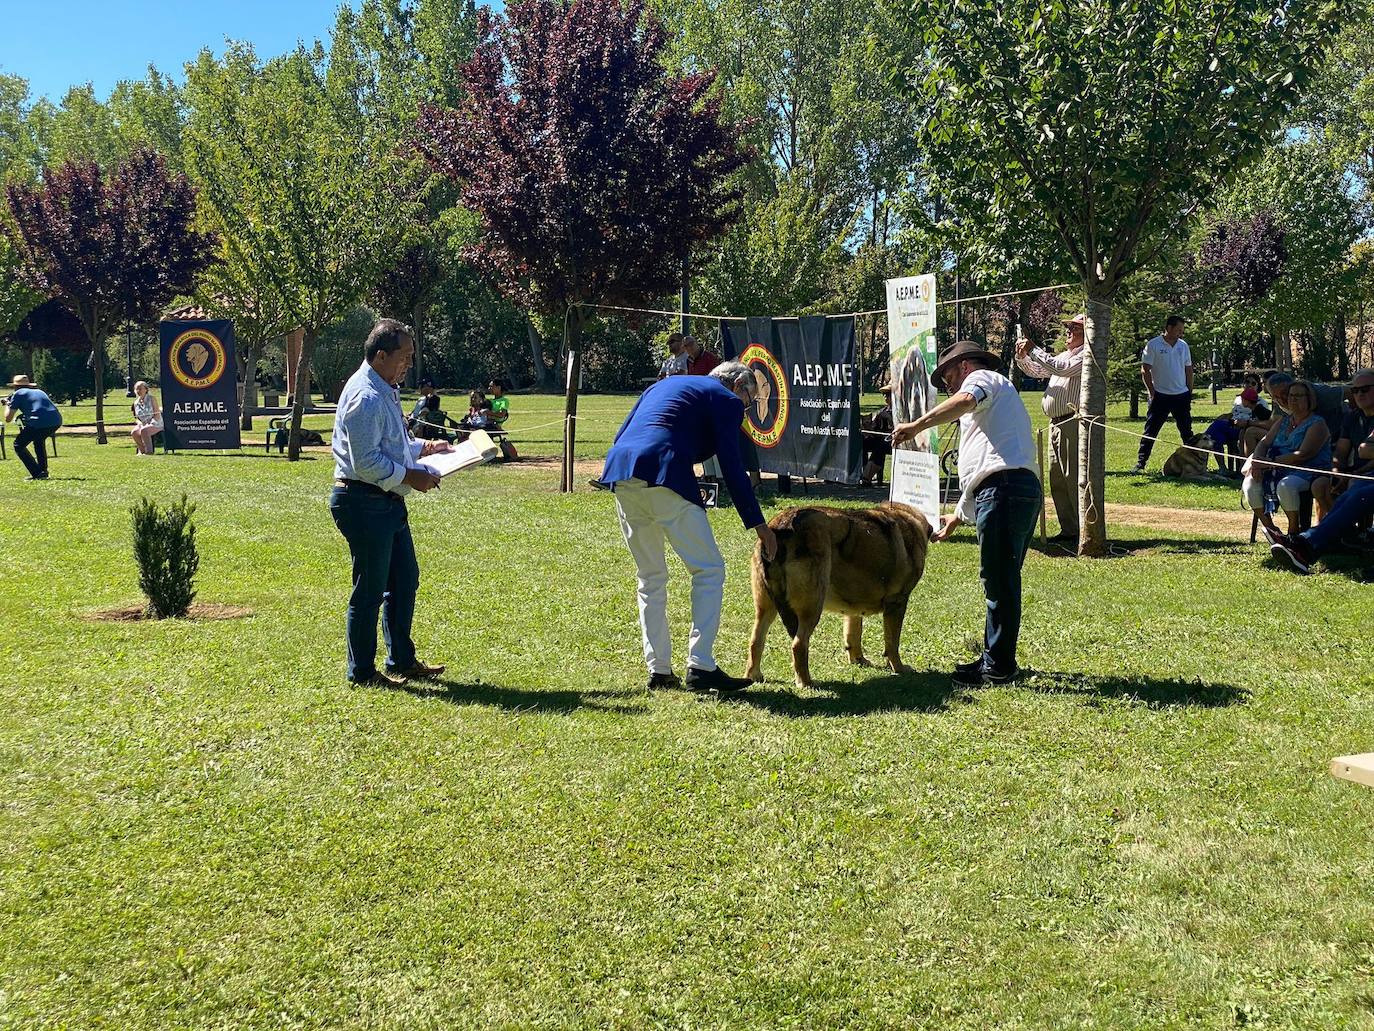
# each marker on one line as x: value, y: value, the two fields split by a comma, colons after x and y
x: 1064, y: 474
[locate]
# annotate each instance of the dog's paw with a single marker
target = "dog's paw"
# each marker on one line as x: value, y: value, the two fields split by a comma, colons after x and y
x: 754, y: 676
x: 900, y: 667
x: 862, y: 660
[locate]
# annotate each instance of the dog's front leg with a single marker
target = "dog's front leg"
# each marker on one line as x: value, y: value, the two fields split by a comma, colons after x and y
x: 893, y: 615
x: 854, y: 640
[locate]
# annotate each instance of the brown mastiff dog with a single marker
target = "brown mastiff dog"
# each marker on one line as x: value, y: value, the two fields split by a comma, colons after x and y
x: 855, y: 561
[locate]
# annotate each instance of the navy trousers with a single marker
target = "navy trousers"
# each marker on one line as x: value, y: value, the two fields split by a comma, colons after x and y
x: 1007, y: 506
x: 36, y: 464
x: 386, y: 577
x: 1162, y: 406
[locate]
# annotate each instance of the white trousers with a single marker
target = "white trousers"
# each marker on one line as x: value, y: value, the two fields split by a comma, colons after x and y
x: 648, y: 516
x: 1290, y: 490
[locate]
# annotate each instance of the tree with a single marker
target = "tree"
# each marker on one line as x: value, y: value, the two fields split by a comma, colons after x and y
x: 312, y: 202
x: 114, y: 247
x: 1111, y: 119
x: 594, y: 170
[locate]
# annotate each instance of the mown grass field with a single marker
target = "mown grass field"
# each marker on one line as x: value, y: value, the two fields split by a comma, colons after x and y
x: 203, y: 826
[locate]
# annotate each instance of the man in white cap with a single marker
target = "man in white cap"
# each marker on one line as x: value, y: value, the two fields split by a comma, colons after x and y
x: 1065, y: 373
x: 1000, y: 494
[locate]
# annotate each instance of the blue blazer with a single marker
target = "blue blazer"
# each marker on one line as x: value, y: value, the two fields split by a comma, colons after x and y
x: 676, y: 423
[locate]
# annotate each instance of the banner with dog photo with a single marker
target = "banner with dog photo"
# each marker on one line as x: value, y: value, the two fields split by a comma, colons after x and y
x: 200, y: 396
x: 805, y: 418
x: 911, y: 351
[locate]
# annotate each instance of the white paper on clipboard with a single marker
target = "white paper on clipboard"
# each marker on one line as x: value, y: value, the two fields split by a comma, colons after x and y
x: 916, y: 482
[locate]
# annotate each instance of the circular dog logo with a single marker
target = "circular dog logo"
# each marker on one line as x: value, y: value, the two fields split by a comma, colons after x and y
x: 766, y: 418
x: 197, y: 359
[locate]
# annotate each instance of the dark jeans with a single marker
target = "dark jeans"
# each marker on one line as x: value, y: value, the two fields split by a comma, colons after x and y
x: 385, y: 576
x: 1162, y: 406
x: 1007, y: 506
x: 1356, y: 504
x: 38, y: 437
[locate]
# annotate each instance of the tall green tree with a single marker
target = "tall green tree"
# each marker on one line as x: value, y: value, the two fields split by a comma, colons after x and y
x: 311, y: 198
x: 1111, y: 119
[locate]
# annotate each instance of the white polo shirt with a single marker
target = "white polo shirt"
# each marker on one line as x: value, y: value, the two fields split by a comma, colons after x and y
x: 996, y: 435
x: 1167, y: 364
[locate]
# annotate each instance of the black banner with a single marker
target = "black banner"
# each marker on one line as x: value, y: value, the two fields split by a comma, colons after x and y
x: 200, y: 397
x: 805, y: 421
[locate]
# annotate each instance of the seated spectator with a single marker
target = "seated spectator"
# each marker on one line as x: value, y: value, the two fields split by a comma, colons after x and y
x: 426, y: 392
x: 147, y: 418
x: 500, y: 403
x: 1227, y: 432
x: 431, y: 421
x: 876, y: 443
x: 479, y: 415
x: 1345, y: 459
x: 1356, y: 505
x: 1299, y: 439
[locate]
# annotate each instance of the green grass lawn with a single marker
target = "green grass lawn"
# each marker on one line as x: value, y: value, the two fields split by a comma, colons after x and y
x: 203, y: 826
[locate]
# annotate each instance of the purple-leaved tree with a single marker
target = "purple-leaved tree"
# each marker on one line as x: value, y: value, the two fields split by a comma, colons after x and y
x: 594, y: 170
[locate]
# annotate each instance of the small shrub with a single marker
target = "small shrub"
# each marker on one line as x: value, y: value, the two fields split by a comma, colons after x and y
x: 165, y: 548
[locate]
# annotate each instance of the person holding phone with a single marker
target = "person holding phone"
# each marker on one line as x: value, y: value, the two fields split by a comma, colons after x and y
x: 1065, y: 374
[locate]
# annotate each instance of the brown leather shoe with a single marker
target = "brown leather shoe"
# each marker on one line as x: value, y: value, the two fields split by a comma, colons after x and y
x: 380, y: 679
x: 419, y: 671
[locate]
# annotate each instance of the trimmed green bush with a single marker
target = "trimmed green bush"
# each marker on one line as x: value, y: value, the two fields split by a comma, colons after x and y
x: 165, y: 548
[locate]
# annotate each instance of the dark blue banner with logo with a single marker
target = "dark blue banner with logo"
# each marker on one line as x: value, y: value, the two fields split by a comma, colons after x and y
x: 805, y: 418
x: 200, y: 396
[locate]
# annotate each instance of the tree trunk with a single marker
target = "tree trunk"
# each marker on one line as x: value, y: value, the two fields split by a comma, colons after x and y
x: 417, y: 319
x: 26, y: 362
x: 302, y: 396
x: 1092, y: 439
x: 99, y: 352
x: 1283, y: 351
x: 249, y: 399
x: 541, y: 374
x: 1338, y: 336
x: 575, y: 317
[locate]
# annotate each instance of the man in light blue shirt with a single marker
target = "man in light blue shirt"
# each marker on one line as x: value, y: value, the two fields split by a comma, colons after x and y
x: 376, y: 463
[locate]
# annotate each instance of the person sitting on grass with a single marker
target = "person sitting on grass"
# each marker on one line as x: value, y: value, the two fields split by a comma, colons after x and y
x: 1300, y: 439
x: 1298, y: 551
x: 1356, y: 428
x: 147, y: 418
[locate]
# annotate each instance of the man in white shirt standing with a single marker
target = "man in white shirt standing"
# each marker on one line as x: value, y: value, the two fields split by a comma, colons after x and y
x: 1000, y: 494
x: 1065, y: 373
x: 1166, y: 366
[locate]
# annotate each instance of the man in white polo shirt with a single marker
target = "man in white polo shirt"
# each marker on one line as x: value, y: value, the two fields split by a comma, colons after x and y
x: 1166, y: 366
x: 999, y: 492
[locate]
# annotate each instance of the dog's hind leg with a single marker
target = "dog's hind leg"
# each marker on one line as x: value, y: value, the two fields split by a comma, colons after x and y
x: 893, y: 614
x: 801, y: 645
x: 765, y: 612
x: 854, y: 640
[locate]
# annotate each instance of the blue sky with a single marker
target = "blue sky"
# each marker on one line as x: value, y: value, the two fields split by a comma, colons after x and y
x: 59, y: 43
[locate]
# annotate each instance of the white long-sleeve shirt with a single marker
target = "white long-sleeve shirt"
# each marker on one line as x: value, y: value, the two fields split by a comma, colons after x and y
x: 1065, y: 373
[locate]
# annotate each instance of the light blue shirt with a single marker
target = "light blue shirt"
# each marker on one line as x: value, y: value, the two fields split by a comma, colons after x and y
x: 371, y: 442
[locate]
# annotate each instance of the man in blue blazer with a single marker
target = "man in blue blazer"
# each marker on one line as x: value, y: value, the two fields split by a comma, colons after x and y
x: 676, y: 424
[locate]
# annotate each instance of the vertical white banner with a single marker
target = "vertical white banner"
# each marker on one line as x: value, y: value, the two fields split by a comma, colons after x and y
x: 911, y: 351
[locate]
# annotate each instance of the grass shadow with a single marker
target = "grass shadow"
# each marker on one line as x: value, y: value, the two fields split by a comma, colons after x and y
x: 1180, y: 546
x: 1219, y: 484
x: 1150, y: 692
x: 305, y: 457
x: 923, y: 691
x: 514, y: 699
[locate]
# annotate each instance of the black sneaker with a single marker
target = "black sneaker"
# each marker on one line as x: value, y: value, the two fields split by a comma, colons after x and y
x: 715, y: 680
x: 664, y: 682
x: 969, y: 674
x: 599, y: 484
x: 1288, y: 556
x: 990, y: 677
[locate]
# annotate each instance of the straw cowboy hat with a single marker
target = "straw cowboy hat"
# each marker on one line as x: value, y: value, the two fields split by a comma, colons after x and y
x: 19, y: 382
x: 958, y: 352
x: 1081, y: 319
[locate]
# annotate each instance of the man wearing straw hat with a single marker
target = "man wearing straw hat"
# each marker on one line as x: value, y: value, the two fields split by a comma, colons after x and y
x: 1064, y: 372
x: 40, y: 420
x: 999, y: 493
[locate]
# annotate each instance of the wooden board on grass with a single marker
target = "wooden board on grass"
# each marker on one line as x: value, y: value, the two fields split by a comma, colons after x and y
x: 1359, y: 768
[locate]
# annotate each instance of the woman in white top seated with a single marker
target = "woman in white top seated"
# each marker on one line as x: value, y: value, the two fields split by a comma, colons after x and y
x: 1000, y: 493
x: 147, y: 418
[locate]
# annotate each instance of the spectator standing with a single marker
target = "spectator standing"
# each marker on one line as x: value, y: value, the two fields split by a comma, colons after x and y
x: 1065, y: 374
x: 700, y: 361
x: 1356, y: 428
x: 39, y: 420
x: 1166, y: 366
x: 677, y: 361
x: 1000, y: 494
x: 147, y: 418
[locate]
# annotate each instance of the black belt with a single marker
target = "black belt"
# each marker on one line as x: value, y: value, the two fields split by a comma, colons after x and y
x: 1062, y: 418
x: 1007, y: 474
x: 371, y: 488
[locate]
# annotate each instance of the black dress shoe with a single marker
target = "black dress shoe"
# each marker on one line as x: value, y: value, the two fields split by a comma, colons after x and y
x: 969, y: 674
x: 715, y: 680
x: 664, y: 682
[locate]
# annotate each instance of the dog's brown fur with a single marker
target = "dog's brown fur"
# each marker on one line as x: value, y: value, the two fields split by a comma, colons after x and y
x: 857, y: 562
x: 1186, y: 464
